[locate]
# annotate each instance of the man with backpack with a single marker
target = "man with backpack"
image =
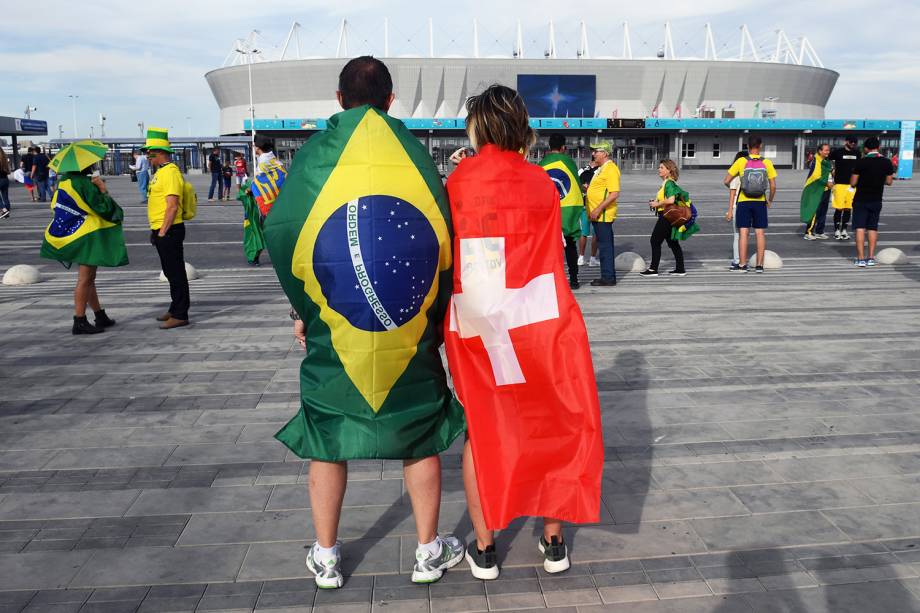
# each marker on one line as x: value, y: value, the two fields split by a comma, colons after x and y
x: 758, y: 188
x: 170, y: 202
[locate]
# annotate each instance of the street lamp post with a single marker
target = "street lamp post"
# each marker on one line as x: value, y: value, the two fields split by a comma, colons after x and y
x: 140, y: 128
x: 73, y: 100
x: 252, y: 109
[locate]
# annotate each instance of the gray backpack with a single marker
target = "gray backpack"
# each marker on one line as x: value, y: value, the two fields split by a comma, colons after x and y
x: 754, y: 180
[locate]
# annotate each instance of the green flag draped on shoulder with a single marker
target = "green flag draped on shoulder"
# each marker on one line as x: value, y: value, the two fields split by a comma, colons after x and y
x: 360, y: 239
x: 815, y: 186
x: 562, y: 170
x: 86, y: 227
x: 253, y: 236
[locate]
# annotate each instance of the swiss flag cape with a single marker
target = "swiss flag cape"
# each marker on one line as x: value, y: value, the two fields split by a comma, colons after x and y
x: 517, y: 346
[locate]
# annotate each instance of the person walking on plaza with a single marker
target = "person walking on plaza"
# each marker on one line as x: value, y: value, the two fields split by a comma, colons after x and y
x: 757, y: 190
x: 533, y: 416
x: 227, y: 172
x: 842, y: 193
x: 603, y: 192
x: 241, y: 171
x: 216, y: 167
x: 734, y: 188
x: 587, y: 228
x: 86, y: 230
x: 870, y: 176
x: 141, y: 168
x: 40, y: 175
x: 817, y: 194
x: 359, y: 237
x: 562, y: 170
x: 167, y: 227
x: 26, y: 165
x: 670, y: 193
x: 4, y: 185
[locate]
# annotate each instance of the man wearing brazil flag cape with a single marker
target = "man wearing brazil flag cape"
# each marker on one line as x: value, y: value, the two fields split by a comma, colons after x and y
x: 360, y: 239
x: 562, y: 170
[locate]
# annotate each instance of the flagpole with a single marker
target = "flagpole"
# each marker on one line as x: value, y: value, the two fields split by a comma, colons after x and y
x: 252, y: 110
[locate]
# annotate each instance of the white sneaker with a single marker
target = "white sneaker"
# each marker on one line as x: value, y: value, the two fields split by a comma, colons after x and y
x: 844, y: 236
x: 594, y: 262
x: 821, y: 237
x: 326, y: 573
x: 837, y: 235
x: 809, y: 237
x: 429, y: 568
x: 581, y: 260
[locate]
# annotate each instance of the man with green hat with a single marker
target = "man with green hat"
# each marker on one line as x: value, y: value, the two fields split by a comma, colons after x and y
x: 601, y: 204
x: 167, y: 230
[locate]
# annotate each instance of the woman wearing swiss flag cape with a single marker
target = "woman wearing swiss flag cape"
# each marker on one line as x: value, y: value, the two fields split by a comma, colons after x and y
x: 516, y: 343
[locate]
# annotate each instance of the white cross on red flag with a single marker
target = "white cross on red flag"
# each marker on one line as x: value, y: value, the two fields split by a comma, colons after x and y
x: 517, y: 346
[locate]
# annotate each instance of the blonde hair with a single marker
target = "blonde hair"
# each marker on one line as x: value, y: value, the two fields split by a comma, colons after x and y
x: 499, y: 117
x: 673, y: 170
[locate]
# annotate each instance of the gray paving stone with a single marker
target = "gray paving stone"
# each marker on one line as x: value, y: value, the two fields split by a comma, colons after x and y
x: 250, y: 527
x: 159, y: 565
x: 199, y: 500
x: 800, y: 496
x: 40, y: 571
x: 714, y: 475
x: 66, y: 504
x: 110, y: 457
x: 655, y: 506
x: 226, y: 454
x: 890, y: 521
x: 773, y: 530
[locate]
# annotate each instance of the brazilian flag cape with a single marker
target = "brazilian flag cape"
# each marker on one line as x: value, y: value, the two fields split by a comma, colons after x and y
x: 360, y: 238
x: 86, y: 227
x: 562, y: 170
x: 253, y: 236
x: 815, y: 186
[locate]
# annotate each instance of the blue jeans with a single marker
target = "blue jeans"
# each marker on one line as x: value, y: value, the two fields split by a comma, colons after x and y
x: 603, y: 233
x: 218, y: 180
x: 143, y: 179
x: 44, y: 189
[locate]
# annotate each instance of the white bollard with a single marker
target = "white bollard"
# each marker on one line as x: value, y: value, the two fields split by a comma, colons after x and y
x: 771, y: 261
x: 629, y: 261
x: 21, y: 274
x: 891, y: 255
x: 190, y: 271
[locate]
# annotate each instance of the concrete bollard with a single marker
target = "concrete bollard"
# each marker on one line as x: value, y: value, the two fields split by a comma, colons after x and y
x: 891, y: 255
x: 771, y: 261
x: 190, y: 271
x: 629, y: 261
x: 21, y: 274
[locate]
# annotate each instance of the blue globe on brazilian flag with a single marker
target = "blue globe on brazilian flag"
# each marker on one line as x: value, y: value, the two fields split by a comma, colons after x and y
x: 360, y: 239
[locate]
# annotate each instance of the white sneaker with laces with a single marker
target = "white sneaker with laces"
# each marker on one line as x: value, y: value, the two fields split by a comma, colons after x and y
x: 581, y: 260
x: 837, y: 235
x: 429, y: 568
x: 844, y: 235
x: 594, y: 261
x: 327, y: 573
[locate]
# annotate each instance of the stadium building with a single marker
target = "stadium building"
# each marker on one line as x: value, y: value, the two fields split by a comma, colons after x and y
x: 697, y: 110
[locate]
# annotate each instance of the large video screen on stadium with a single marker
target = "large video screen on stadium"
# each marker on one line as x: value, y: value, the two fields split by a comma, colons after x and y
x: 558, y: 95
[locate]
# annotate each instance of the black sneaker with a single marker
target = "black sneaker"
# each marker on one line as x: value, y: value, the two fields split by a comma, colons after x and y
x: 758, y: 269
x: 678, y: 273
x: 103, y: 320
x: 735, y: 267
x: 81, y: 325
x: 574, y: 284
x: 483, y: 564
x: 555, y: 555
x: 603, y: 282
x: 744, y: 268
x: 648, y: 272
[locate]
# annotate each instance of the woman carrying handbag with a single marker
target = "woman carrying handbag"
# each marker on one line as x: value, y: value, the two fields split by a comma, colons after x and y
x: 676, y: 220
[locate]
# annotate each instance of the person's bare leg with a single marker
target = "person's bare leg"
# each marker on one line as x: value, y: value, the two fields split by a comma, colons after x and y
x: 552, y: 527
x: 92, y: 297
x: 873, y: 241
x: 582, y: 243
x: 86, y: 276
x: 761, y: 237
x: 860, y: 247
x: 743, y: 245
x: 484, y: 536
x: 327, y: 489
x: 423, y: 482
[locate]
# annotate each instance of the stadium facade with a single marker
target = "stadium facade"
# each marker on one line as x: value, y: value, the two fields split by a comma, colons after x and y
x: 697, y: 110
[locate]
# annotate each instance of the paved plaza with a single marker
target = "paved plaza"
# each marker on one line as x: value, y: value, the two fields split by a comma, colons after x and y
x: 762, y: 437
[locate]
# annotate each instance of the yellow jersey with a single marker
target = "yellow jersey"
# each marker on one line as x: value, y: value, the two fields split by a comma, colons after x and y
x: 166, y: 181
x: 606, y: 180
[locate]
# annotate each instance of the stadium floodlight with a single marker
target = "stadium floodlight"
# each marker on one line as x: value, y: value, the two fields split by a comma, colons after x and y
x: 29, y: 110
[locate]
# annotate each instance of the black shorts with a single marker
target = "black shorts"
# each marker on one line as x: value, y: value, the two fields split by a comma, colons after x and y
x: 866, y: 214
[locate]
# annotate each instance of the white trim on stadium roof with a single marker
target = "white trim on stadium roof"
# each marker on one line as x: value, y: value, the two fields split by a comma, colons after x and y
x: 799, y: 52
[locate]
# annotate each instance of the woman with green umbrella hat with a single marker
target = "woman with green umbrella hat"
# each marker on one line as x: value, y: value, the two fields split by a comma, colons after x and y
x: 86, y: 228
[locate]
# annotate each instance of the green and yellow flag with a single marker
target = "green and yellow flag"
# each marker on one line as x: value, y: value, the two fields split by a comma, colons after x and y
x: 253, y: 236
x: 815, y: 186
x: 562, y: 170
x: 360, y: 239
x: 86, y: 227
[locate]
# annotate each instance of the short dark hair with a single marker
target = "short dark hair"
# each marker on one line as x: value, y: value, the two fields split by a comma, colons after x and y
x: 365, y: 80
x: 265, y: 143
x: 556, y: 141
x: 872, y: 143
x: 822, y: 145
x: 754, y: 142
x: 850, y: 139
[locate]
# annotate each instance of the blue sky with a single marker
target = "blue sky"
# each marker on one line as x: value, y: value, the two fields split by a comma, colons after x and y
x: 146, y: 61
